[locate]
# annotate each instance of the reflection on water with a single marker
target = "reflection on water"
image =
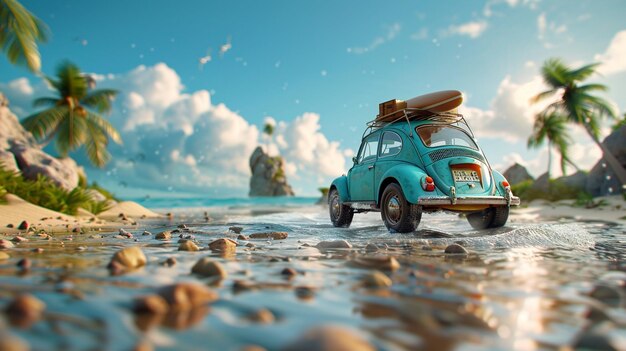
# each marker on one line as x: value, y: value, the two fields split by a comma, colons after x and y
x: 523, y: 287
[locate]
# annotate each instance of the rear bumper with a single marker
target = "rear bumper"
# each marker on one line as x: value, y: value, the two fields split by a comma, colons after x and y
x: 469, y: 200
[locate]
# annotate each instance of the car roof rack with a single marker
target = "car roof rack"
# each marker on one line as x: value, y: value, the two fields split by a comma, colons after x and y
x: 414, y: 114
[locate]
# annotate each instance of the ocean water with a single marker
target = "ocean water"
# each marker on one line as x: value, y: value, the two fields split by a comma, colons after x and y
x: 207, y: 202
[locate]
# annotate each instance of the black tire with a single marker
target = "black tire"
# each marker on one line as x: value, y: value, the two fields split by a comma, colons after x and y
x: 493, y: 217
x: 340, y: 214
x: 398, y: 214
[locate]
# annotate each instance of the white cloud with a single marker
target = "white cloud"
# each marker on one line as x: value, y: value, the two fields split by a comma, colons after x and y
x: 422, y: 34
x: 541, y: 25
x: 614, y: 58
x: 488, y: 10
x: 549, y: 31
x: 471, y: 29
x: 392, y: 32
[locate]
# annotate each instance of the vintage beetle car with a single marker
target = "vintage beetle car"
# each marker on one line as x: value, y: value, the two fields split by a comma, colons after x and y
x: 421, y: 163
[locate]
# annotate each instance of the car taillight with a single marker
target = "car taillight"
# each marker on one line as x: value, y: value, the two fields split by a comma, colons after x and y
x: 505, y: 184
x: 428, y: 184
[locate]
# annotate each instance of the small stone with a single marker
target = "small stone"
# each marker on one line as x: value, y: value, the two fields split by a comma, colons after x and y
x: 19, y: 239
x: 290, y: 272
x: 182, y: 226
x: 188, y: 245
x: 186, y: 296
x: 25, y: 309
x: 116, y: 268
x: 242, y: 285
x: 24, y: 263
x: 4, y: 256
x: 207, y: 267
x: 427, y: 248
x: 236, y: 230
x: 242, y: 237
x: 330, y: 338
x: 38, y: 250
x: 81, y: 248
x: 262, y: 316
x: 270, y: 235
x: 130, y: 257
x: 223, y: 245
x: 145, y: 233
x: 250, y: 245
x: 170, y: 261
x: 166, y: 235
x: 305, y: 292
x: 23, y: 226
x: 10, y: 225
x: 371, y: 248
x: 455, y: 249
x: 150, y: 304
x: 77, y: 230
x: 333, y: 244
x: 125, y: 234
x: 383, y: 263
x: 376, y: 279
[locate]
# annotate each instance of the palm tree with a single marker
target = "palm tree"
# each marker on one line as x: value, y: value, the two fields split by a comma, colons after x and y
x: 552, y: 127
x: 69, y: 116
x: 20, y: 31
x: 577, y: 104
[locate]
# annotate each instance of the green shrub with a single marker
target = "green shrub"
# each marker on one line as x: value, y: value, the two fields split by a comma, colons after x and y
x: 557, y: 190
x: 3, y: 193
x: 97, y: 207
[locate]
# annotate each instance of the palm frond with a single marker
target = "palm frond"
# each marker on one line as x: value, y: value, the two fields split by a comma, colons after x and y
x: 592, y: 87
x: 543, y: 95
x: 96, y: 144
x: 72, y: 133
x: 555, y: 73
x: 582, y: 73
x: 70, y: 81
x: 105, y: 126
x: 44, y: 123
x: 100, y: 100
x: 45, y: 102
x: 19, y: 34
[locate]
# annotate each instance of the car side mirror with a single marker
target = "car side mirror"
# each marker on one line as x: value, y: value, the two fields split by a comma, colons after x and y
x: 354, y: 160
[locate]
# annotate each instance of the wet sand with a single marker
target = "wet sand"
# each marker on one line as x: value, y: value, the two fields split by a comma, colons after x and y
x: 535, y: 284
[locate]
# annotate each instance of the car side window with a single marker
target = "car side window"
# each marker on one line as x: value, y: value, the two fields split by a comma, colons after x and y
x: 369, y: 149
x: 391, y: 144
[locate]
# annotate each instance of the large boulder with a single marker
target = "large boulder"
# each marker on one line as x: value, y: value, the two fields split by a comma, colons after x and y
x: 11, y: 131
x: 268, y: 175
x: 517, y: 174
x: 576, y: 180
x: 33, y: 161
x: 7, y: 161
x: 602, y: 180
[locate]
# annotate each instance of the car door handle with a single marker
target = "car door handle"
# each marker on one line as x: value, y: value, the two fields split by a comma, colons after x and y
x: 370, y: 167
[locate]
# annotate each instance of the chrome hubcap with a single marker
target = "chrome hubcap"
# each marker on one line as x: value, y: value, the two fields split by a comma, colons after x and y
x: 334, y: 206
x: 393, y: 209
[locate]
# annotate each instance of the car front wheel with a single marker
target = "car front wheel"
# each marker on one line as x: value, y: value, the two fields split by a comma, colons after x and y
x: 340, y: 214
x: 493, y: 217
x: 398, y: 214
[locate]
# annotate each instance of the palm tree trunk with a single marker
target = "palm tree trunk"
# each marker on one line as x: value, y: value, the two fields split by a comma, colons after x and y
x: 613, y: 162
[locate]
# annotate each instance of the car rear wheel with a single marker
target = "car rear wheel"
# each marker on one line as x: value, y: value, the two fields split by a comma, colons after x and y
x: 398, y: 214
x: 340, y: 214
x: 493, y: 217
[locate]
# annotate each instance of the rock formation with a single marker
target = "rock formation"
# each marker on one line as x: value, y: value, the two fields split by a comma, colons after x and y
x: 516, y: 174
x: 268, y: 175
x: 601, y: 179
x: 20, y: 152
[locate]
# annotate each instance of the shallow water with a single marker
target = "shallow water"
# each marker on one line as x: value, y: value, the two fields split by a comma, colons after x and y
x: 525, y: 286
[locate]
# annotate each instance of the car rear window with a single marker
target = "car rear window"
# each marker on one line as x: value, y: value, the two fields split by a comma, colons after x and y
x: 443, y: 135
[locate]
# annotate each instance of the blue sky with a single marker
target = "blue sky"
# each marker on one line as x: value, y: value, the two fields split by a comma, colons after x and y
x: 333, y: 60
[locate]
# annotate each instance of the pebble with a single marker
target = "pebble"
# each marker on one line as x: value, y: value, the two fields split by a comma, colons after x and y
x: 182, y: 226
x: 125, y: 234
x: 24, y: 263
x: 23, y: 226
x: 250, y: 245
x: 10, y: 225
x: 262, y: 316
x: 383, y: 263
x: 150, y: 304
x: 19, y: 239
x: 130, y: 257
x: 26, y: 307
x: 376, y: 279
x: 4, y: 256
x: 330, y: 338
x: 270, y: 235
x: 145, y: 233
x: 188, y: 245
x: 38, y: 250
x: 455, y: 249
x: 207, y: 267
x: 243, y: 237
x: 334, y: 244
x: 223, y: 245
x: 305, y: 292
x: 170, y: 261
x: 236, y: 230
x: 186, y: 296
x: 5, y: 244
x: 165, y: 235
x: 290, y: 272
x: 371, y: 248
x: 78, y: 230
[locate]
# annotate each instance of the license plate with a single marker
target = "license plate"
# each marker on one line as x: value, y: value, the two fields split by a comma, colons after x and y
x: 464, y: 175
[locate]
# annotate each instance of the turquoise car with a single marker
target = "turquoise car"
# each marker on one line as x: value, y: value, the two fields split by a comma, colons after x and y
x: 421, y: 163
